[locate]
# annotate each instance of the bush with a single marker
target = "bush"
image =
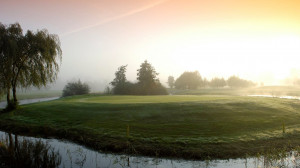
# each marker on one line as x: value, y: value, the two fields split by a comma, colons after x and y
x: 75, y: 88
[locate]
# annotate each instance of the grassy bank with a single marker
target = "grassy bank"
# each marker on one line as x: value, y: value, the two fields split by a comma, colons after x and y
x: 194, y: 127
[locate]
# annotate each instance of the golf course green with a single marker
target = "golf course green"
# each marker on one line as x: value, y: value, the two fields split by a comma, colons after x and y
x: 184, y: 126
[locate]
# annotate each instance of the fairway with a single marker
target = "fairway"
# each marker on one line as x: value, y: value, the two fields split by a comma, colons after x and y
x: 142, y: 99
x: 181, y: 126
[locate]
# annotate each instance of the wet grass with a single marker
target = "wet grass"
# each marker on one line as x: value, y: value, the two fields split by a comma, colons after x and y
x: 194, y: 127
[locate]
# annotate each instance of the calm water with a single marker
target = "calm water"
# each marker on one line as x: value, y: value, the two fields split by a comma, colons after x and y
x: 77, y: 156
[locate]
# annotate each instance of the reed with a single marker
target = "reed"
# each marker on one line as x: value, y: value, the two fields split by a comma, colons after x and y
x: 34, y: 154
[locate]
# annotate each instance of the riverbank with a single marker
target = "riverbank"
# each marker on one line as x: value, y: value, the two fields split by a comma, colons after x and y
x: 77, y: 156
x: 190, y: 127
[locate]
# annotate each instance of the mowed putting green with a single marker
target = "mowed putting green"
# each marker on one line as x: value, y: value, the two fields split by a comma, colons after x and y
x: 177, y: 126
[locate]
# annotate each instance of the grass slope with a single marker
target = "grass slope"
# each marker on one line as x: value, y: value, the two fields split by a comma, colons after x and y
x: 197, y: 127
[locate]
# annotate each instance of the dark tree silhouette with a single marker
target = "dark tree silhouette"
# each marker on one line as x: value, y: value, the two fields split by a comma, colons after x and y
x: 27, y: 60
x: 148, y: 83
x: 120, y: 78
x: 120, y: 83
x: 146, y: 75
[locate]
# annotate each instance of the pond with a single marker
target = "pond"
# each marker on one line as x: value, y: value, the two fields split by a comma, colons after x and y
x: 77, y: 156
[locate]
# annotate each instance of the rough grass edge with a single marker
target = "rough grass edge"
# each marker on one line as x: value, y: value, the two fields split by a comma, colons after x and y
x: 205, y: 151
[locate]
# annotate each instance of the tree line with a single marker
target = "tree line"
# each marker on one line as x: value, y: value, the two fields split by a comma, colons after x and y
x: 147, y: 82
x: 32, y: 59
x: 193, y: 80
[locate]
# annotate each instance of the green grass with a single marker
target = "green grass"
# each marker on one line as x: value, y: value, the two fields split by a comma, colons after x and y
x: 198, y: 127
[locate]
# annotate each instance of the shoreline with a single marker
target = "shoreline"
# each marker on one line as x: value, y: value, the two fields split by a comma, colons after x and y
x: 134, y: 147
x: 186, y: 127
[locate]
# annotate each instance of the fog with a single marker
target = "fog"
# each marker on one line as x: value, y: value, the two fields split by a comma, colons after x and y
x: 217, y: 39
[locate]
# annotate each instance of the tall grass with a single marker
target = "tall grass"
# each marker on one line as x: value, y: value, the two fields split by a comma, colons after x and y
x: 26, y: 153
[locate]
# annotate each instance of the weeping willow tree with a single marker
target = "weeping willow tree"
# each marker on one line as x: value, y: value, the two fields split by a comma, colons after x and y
x: 30, y: 59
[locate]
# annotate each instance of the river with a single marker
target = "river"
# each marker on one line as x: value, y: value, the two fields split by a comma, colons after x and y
x: 77, y: 156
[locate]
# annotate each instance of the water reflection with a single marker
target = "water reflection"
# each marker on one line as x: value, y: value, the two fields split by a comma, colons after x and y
x: 27, y: 153
x: 76, y: 156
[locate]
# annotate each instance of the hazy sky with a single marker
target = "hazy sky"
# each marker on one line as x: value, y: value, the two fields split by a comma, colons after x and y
x: 254, y: 39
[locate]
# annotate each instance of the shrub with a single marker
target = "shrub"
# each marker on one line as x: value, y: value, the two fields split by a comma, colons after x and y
x: 75, y: 88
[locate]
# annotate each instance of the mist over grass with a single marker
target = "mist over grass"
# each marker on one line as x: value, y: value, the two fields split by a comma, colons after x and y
x: 264, y: 90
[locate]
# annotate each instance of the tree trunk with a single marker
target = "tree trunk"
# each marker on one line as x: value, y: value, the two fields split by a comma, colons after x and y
x: 16, y: 144
x: 10, y: 145
x: 15, y: 94
x: 8, y: 96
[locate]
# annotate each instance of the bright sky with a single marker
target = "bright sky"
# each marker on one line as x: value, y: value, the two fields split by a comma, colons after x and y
x: 254, y: 39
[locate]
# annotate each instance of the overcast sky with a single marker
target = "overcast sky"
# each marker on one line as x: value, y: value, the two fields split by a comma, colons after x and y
x: 254, y: 39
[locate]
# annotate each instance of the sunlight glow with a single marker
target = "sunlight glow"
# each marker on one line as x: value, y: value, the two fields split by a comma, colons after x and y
x: 231, y: 55
x: 257, y: 40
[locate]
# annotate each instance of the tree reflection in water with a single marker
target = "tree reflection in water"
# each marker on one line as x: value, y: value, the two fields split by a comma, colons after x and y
x: 14, y: 151
x: 27, y: 153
